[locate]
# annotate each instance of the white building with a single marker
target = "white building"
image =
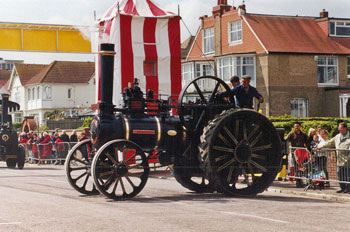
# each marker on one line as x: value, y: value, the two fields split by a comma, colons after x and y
x: 61, y: 85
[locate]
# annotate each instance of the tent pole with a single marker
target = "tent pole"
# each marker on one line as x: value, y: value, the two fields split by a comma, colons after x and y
x: 178, y: 9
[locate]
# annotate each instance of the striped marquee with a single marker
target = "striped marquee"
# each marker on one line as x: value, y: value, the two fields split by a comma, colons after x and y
x: 147, y: 43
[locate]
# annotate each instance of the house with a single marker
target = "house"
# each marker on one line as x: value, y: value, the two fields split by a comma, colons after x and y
x: 61, y: 85
x: 4, y: 78
x: 301, y: 65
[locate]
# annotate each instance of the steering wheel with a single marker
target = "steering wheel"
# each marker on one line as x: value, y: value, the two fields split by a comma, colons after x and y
x: 201, y: 100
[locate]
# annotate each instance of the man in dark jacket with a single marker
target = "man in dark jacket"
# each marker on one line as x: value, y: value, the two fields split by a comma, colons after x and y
x: 245, y: 93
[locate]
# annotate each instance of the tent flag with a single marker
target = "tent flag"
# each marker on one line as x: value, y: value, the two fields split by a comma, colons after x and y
x: 147, y: 44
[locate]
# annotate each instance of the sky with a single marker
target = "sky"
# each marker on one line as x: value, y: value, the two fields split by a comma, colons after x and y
x: 81, y: 12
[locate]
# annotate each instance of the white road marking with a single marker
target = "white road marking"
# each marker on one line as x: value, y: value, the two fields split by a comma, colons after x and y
x: 254, y: 216
x: 10, y: 223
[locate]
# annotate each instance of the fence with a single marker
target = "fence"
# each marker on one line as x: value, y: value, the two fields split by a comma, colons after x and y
x: 316, y: 168
x: 40, y: 153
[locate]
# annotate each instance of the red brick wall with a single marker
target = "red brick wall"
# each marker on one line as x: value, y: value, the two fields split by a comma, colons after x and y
x: 249, y: 41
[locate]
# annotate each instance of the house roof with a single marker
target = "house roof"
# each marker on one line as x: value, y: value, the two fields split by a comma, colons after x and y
x: 4, y: 78
x: 295, y: 34
x: 27, y: 71
x: 63, y: 72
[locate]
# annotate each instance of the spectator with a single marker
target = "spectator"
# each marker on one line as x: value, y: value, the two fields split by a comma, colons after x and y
x: 74, y: 138
x: 311, y: 134
x: 336, y: 131
x: 322, y: 156
x: 245, y: 93
x: 318, y: 131
x: 82, y: 137
x: 46, y: 147
x: 297, y: 138
x: 341, y: 141
x: 315, y: 142
x: 64, y: 137
x: 60, y: 148
x: 23, y: 137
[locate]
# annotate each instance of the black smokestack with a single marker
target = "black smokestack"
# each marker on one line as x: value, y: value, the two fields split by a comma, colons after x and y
x: 107, y: 68
x: 5, y: 101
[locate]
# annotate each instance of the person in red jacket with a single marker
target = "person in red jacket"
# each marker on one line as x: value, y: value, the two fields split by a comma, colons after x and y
x: 60, y: 148
x: 24, y: 138
x: 46, y: 151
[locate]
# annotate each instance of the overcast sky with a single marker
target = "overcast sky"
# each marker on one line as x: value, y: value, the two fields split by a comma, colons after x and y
x: 80, y: 12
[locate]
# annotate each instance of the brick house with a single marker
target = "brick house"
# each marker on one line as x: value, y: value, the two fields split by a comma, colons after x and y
x: 301, y: 65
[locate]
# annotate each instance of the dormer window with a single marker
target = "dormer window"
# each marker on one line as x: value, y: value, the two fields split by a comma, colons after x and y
x: 208, y: 41
x: 339, y: 28
x: 235, y: 32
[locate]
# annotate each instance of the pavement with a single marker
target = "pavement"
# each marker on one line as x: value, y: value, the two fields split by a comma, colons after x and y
x: 327, y: 193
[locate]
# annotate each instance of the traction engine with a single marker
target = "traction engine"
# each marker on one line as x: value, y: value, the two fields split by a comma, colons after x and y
x: 210, y: 144
x: 10, y: 150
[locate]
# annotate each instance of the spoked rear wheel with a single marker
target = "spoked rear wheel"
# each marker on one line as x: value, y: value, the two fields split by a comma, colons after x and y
x: 244, y: 152
x: 78, y: 168
x: 120, y: 169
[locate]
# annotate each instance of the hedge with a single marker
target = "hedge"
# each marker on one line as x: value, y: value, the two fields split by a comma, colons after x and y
x: 287, y: 122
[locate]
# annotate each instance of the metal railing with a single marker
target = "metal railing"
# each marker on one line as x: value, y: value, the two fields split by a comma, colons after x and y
x: 48, y: 152
x: 315, y: 168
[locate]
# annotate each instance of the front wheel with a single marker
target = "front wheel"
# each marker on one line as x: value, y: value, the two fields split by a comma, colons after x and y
x: 78, y: 168
x: 120, y: 169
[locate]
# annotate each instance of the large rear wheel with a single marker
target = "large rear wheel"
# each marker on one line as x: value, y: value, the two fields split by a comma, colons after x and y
x: 243, y: 152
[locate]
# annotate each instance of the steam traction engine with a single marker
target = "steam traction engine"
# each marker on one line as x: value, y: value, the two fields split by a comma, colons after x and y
x: 10, y: 150
x: 211, y: 145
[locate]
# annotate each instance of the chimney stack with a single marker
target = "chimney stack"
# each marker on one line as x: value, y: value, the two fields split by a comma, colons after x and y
x: 324, y: 14
x: 222, y: 2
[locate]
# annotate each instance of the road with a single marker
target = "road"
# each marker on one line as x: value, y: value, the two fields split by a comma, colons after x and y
x: 40, y: 199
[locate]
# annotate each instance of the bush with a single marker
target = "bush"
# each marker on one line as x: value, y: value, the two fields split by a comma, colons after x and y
x: 287, y: 122
x: 17, y: 125
x: 86, y: 123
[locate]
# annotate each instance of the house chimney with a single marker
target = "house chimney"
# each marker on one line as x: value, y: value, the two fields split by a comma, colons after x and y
x: 324, y: 14
x: 241, y: 9
x: 222, y: 2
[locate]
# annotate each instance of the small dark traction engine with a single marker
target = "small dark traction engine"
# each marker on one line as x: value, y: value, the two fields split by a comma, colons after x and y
x: 10, y: 150
x: 211, y: 145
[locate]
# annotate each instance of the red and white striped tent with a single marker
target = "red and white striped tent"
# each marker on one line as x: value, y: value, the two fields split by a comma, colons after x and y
x: 147, y: 43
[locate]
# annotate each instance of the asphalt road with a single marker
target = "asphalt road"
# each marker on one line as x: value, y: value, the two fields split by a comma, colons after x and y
x: 40, y: 199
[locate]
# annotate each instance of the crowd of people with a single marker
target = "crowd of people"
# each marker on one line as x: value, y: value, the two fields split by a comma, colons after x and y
x: 49, y: 147
x: 316, y: 142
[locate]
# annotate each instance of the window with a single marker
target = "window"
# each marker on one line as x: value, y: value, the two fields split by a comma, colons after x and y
x: 245, y: 66
x: 235, y: 32
x: 348, y: 66
x: 47, y: 93
x: 33, y: 94
x: 29, y: 94
x: 327, y: 70
x: 69, y: 93
x: 9, y: 66
x: 225, y: 68
x: 204, y: 70
x: 339, y: 28
x: 17, y: 96
x: 38, y: 92
x: 186, y: 73
x: 208, y: 40
x: 18, y: 117
x: 150, y: 68
x: 299, y: 107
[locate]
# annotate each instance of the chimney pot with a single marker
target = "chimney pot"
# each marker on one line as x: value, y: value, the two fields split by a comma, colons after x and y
x: 324, y: 14
x: 222, y: 2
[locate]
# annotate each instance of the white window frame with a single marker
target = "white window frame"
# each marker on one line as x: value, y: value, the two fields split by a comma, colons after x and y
x: 222, y: 66
x: 348, y: 66
x: 326, y: 65
x: 208, y: 35
x: 338, y: 23
x: 38, y: 92
x: 47, y: 93
x: 204, y: 84
x: 33, y: 93
x: 186, y: 68
x: 29, y: 92
x: 298, y: 100
x: 236, y: 69
x: 238, y: 30
x: 18, y: 117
